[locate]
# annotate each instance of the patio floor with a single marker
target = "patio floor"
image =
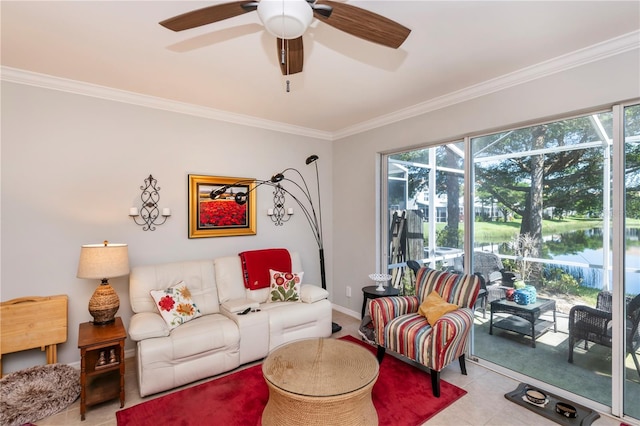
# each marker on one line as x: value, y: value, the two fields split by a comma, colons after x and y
x: 588, y: 376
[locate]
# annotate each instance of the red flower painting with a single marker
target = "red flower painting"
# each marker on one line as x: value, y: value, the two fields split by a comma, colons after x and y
x: 213, y: 211
x: 221, y: 213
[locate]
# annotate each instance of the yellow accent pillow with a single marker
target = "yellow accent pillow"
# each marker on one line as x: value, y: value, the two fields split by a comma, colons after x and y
x: 434, y: 307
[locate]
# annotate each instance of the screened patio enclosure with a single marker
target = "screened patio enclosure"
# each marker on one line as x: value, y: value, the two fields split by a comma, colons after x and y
x: 559, y: 204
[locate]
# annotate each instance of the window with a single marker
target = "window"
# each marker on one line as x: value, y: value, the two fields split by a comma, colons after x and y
x: 424, y: 210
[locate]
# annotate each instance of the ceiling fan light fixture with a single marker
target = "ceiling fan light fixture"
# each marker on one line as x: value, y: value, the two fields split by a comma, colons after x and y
x: 287, y: 19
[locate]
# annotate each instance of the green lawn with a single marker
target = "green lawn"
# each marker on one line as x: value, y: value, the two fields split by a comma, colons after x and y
x: 500, y: 232
x: 497, y: 232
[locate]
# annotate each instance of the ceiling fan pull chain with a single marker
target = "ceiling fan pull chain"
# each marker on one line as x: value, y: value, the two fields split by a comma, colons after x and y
x: 284, y: 49
x: 287, y: 44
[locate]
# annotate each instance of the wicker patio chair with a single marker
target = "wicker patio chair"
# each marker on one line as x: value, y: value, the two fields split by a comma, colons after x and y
x: 483, y: 296
x: 594, y: 325
x: 414, y: 265
x: 496, y: 278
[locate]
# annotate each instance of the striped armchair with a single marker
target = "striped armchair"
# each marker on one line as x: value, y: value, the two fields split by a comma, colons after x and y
x: 399, y: 328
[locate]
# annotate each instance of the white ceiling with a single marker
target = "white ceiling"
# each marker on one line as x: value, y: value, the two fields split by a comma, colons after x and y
x: 455, y: 49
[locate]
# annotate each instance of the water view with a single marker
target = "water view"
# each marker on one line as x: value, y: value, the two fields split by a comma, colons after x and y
x: 581, y: 254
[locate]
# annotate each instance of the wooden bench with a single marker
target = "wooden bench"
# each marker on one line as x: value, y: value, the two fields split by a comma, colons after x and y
x: 33, y: 322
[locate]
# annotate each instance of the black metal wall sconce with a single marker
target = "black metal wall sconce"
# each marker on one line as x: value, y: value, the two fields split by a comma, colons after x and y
x: 149, y: 213
x: 278, y: 214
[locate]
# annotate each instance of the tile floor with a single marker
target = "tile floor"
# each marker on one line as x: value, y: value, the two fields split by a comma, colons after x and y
x: 484, y: 403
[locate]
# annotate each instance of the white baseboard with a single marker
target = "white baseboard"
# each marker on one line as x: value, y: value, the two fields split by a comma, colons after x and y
x: 346, y: 311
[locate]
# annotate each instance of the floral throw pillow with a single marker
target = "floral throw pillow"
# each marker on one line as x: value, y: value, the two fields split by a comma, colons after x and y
x: 285, y: 286
x: 175, y: 305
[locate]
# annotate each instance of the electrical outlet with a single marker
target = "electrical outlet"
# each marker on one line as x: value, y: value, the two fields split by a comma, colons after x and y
x: 348, y: 291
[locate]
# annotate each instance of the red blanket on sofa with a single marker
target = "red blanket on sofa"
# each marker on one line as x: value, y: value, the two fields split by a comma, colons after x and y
x: 256, y: 265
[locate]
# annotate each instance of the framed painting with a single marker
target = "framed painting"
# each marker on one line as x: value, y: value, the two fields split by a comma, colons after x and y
x: 221, y: 216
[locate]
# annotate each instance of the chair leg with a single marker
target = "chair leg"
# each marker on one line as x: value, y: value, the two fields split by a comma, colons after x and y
x: 435, y: 382
x: 635, y: 361
x: 380, y: 354
x: 571, y: 343
x: 463, y: 365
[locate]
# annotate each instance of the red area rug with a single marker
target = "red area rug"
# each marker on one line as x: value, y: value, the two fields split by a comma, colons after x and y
x: 402, y: 396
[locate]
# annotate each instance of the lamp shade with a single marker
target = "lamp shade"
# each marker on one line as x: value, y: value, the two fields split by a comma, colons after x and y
x: 287, y: 19
x: 100, y: 261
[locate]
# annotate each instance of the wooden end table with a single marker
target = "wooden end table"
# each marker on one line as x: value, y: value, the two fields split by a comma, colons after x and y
x: 102, y: 363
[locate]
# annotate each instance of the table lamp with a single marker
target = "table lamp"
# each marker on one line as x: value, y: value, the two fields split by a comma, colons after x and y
x: 103, y: 261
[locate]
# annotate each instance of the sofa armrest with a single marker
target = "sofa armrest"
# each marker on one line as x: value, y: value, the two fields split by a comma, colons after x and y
x: 384, y: 309
x: 239, y: 305
x: 451, y: 331
x: 254, y: 331
x: 585, y: 319
x: 496, y: 292
x: 146, y: 325
x: 310, y: 293
x: 495, y: 276
x: 453, y: 323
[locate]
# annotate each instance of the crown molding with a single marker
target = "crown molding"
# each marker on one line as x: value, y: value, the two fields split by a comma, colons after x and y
x: 612, y: 47
x: 19, y: 76
x: 594, y: 53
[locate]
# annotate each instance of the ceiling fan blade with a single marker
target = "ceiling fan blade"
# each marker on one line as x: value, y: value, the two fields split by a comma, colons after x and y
x: 208, y: 15
x: 290, y: 55
x: 364, y: 24
x: 321, y: 9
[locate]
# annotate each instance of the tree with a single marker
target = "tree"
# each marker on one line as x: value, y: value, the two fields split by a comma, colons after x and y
x: 451, y: 183
x: 632, y: 162
x: 568, y: 179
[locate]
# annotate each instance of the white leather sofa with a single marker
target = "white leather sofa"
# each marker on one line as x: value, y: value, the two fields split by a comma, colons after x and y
x: 220, y: 340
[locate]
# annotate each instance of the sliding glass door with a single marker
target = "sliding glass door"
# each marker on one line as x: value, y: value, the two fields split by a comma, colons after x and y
x: 551, y: 211
x: 551, y: 183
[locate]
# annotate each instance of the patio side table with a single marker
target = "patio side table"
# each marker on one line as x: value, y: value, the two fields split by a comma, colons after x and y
x: 524, y: 319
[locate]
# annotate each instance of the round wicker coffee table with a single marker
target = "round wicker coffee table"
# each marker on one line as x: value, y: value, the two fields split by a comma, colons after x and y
x: 320, y: 382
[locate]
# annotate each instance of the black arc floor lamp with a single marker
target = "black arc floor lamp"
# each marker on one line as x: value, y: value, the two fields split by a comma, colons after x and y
x: 302, y: 196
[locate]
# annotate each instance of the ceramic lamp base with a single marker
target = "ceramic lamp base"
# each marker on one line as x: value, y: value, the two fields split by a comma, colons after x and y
x: 380, y: 287
x: 104, y: 304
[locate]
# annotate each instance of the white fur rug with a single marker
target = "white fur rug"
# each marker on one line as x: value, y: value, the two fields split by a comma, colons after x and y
x: 37, y: 392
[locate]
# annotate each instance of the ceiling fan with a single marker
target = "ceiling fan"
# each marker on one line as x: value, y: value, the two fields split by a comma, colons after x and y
x: 287, y: 20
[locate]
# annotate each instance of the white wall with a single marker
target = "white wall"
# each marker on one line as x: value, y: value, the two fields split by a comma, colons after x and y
x: 605, y: 82
x: 72, y: 166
